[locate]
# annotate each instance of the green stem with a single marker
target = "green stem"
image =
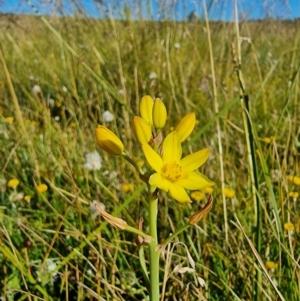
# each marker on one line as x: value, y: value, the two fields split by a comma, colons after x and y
x: 136, y: 231
x: 154, y: 253
x: 133, y: 163
x: 176, y: 233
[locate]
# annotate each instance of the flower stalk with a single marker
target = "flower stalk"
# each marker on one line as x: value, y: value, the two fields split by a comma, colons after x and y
x: 153, y: 250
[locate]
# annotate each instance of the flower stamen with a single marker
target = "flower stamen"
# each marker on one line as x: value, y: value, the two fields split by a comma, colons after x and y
x: 173, y: 172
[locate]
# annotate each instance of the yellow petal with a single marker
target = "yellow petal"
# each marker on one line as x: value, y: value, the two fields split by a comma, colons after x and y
x: 172, y: 150
x: 141, y: 130
x: 159, y: 114
x: 146, y: 108
x: 108, y: 141
x: 179, y: 194
x: 195, y: 160
x: 185, y: 126
x: 152, y: 157
x: 195, y: 180
x: 157, y: 181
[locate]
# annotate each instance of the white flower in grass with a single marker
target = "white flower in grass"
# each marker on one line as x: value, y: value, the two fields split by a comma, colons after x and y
x: 152, y: 75
x: 51, y: 102
x: 108, y: 116
x: 93, y: 161
x: 36, y: 89
x: 113, y: 175
x: 176, y: 45
x: 49, y: 267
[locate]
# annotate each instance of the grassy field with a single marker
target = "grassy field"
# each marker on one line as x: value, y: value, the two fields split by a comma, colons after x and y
x: 59, y: 75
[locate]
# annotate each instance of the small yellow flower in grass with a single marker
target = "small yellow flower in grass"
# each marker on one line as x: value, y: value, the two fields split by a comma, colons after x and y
x: 198, y: 195
x: 289, y: 226
x: 41, y: 188
x: 27, y: 198
x: 13, y: 183
x: 185, y: 126
x: 127, y: 188
x: 229, y: 192
x: 293, y: 194
x: 9, y: 119
x: 174, y: 174
x: 208, y: 190
x: 296, y: 181
x: 108, y: 141
x: 267, y: 140
x: 141, y: 130
x: 270, y: 265
x: 159, y: 114
x: 291, y: 178
x: 146, y: 108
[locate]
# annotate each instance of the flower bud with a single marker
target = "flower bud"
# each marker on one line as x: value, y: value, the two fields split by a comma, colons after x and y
x: 185, y: 126
x: 108, y: 141
x: 146, y: 108
x: 141, y: 130
x: 159, y: 114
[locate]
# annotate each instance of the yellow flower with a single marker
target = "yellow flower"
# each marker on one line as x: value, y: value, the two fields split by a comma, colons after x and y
x: 159, y: 114
x: 9, y: 119
x: 296, y: 181
x: 291, y: 178
x: 197, y: 195
x: 108, y: 141
x: 42, y: 188
x: 267, y: 140
x: 127, y: 188
x: 271, y: 265
x: 229, y: 192
x: 185, y: 126
x: 27, y: 198
x: 293, y: 194
x: 146, y: 108
x: 13, y: 183
x: 289, y: 226
x: 174, y: 174
x: 141, y: 130
x: 208, y: 190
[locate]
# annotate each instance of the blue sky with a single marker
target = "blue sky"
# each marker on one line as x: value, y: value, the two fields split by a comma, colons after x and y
x: 150, y: 9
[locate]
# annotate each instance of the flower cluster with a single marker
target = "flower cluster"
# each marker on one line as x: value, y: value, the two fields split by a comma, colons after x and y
x: 172, y: 173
